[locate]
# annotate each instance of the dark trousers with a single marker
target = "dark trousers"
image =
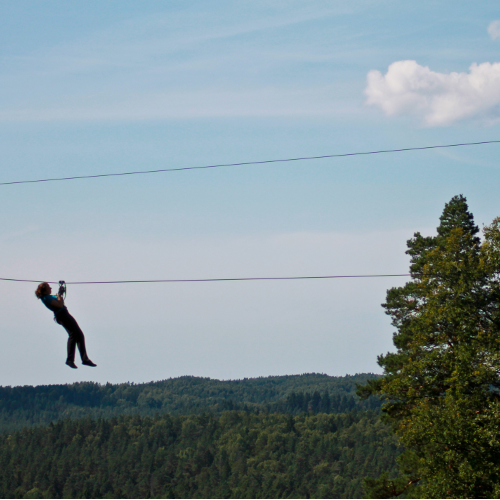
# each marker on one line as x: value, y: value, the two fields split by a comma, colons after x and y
x: 76, y: 337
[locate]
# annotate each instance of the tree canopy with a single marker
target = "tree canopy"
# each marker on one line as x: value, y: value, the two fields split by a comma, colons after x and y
x: 234, y: 455
x: 441, y: 386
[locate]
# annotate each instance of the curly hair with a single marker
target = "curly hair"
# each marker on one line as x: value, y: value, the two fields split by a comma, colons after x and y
x: 43, y: 289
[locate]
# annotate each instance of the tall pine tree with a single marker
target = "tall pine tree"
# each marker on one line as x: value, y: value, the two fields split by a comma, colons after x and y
x: 442, y: 384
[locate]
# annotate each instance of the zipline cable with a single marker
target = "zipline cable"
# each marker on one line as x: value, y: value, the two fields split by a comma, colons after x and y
x: 247, y: 163
x: 213, y: 279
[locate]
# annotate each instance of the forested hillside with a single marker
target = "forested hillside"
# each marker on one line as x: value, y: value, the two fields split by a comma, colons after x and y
x: 235, y: 454
x: 301, y: 436
x: 25, y: 406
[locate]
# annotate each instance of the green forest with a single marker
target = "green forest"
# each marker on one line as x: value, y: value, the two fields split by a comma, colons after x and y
x: 305, y: 436
x: 234, y: 455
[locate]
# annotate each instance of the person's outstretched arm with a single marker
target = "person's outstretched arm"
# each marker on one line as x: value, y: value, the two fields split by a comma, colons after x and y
x: 59, y: 301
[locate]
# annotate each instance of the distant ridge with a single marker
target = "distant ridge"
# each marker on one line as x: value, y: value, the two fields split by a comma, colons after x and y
x: 291, y: 394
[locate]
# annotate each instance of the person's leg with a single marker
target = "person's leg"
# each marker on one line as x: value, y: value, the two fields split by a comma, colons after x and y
x: 63, y: 318
x: 71, y: 348
x: 76, y: 337
x: 81, y: 347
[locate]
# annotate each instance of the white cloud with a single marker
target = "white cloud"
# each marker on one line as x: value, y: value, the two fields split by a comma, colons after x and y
x: 437, y: 98
x: 494, y: 29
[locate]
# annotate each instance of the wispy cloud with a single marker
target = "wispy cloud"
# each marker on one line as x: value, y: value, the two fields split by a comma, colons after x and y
x: 15, y: 235
x: 494, y: 30
x: 239, y: 60
x: 165, y: 38
x: 438, y: 99
x: 202, y: 103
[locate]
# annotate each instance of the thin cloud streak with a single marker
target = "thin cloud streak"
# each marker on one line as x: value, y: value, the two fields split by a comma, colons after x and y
x: 265, y: 102
x: 188, y: 64
x: 135, y: 42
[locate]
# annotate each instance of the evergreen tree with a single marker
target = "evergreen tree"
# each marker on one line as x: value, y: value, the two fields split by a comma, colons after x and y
x: 442, y: 385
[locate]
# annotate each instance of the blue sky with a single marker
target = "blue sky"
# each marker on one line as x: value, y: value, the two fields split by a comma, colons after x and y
x: 93, y: 87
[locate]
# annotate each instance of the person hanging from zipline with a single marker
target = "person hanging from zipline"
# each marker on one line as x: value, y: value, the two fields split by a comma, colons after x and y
x: 61, y: 315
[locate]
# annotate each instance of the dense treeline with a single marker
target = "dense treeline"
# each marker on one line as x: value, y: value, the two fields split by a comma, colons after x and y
x: 232, y: 455
x: 25, y: 406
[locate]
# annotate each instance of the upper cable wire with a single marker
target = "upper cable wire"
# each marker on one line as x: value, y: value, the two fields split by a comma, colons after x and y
x: 76, y: 177
x: 212, y: 279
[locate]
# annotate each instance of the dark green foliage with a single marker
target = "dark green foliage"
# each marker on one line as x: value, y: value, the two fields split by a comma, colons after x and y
x: 25, y: 406
x: 456, y: 215
x: 232, y: 455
